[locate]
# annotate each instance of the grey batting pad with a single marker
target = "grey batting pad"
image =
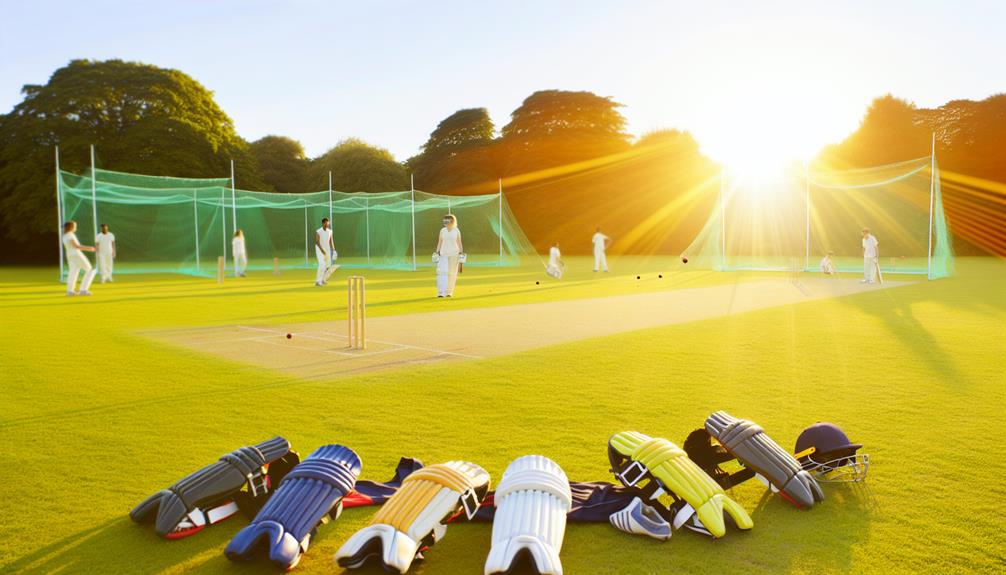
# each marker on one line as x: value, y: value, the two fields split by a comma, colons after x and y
x: 749, y: 443
x: 210, y: 484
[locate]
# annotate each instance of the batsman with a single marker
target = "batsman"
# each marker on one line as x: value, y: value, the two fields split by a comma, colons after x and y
x: 324, y: 250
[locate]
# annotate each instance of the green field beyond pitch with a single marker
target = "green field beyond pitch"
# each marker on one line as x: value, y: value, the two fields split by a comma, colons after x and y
x: 95, y: 416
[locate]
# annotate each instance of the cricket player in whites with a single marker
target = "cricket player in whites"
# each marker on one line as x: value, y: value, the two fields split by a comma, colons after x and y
x: 240, y: 253
x: 324, y: 250
x: 601, y: 243
x: 105, y: 243
x: 77, y: 261
x: 449, y: 250
x: 871, y: 257
x: 555, y: 266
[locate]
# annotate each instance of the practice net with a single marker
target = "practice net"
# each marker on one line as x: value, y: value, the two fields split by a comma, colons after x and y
x: 791, y: 222
x: 182, y: 225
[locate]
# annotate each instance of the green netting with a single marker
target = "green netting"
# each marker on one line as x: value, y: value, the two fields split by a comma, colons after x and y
x: 790, y: 222
x: 183, y: 225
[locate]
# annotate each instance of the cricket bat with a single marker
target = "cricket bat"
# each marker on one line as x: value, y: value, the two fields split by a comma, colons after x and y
x: 330, y: 270
x: 880, y: 276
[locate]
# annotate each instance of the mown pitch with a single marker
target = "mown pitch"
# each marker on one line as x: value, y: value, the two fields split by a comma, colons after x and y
x: 95, y: 416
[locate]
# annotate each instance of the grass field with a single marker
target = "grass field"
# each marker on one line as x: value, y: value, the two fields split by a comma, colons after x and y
x: 94, y: 416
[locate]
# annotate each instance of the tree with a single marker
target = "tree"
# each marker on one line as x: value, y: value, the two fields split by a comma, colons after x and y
x: 462, y: 129
x: 457, y: 153
x: 282, y: 163
x: 357, y: 166
x: 554, y: 127
x: 891, y: 131
x: 141, y: 119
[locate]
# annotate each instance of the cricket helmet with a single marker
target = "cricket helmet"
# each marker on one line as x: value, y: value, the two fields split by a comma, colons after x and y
x: 826, y: 452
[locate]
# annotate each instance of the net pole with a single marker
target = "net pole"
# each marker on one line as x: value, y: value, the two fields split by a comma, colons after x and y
x: 367, y: 212
x: 501, y: 221
x: 223, y: 225
x: 412, y: 186
x: 331, y: 224
x: 195, y: 222
x: 307, y: 262
x: 932, y: 192
x: 723, y: 225
x: 94, y: 195
x: 234, y: 201
x: 806, y: 263
x: 59, y: 215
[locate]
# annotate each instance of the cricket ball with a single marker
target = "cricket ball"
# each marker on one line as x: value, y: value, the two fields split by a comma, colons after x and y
x: 289, y: 336
x: 684, y: 260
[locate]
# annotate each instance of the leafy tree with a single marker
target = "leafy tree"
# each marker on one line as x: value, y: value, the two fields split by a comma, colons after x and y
x: 458, y: 153
x: 282, y: 163
x: 141, y: 118
x: 462, y: 129
x: 357, y: 166
x: 554, y: 127
x: 891, y: 131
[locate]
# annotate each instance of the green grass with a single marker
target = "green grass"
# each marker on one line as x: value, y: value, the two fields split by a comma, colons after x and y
x: 94, y: 417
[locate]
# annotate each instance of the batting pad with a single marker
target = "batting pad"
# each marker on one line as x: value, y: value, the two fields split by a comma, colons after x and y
x: 757, y: 451
x: 416, y: 516
x: 181, y: 509
x: 532, y: 501
x: 312, y: 490
x: 636, y: 457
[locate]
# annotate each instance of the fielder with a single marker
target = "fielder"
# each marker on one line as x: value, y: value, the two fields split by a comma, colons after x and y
x: 240, y: 255
x: 601, y: 243
x: 555, y: 264
x: 324, y: 250
x: 105, y: 244
x: 77, y: 261
x: 827, y: 265
x: 449, y: 250
x: 871, y: 257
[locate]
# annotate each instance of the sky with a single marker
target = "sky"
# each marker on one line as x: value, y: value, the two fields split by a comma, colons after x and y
x: 756, y: 82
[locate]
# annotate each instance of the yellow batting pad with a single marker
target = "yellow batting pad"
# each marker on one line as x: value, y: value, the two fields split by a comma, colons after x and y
x: 415, y: 516
x: 669, y: 465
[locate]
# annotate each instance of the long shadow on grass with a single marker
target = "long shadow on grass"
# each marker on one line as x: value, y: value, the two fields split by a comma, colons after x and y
x: 895, y: 309
x: 119, y: 546
x: 820, y: 540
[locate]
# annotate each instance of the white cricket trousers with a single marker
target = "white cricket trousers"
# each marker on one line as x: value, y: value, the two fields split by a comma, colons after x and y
x: 78, y: 265
x: 240, y: 263
x: 600, y: 260
x: 105, y: 266
x: 447, y: 275
x: 870, y: 269
x: 324, y: 260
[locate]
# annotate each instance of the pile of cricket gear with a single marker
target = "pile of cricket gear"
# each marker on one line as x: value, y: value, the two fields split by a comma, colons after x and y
x: 662, y: 488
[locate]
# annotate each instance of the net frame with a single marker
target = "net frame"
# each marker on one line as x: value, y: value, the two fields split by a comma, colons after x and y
x: 712, y: 248
x: 357, y: 215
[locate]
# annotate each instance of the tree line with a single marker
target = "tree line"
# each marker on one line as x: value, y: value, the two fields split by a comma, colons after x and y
x: 567, y: 162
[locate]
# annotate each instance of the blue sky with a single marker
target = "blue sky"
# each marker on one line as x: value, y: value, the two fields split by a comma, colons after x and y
x: 753, y: 80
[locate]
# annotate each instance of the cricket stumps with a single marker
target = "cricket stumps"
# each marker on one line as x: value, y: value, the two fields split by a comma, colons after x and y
x: 357, y: 289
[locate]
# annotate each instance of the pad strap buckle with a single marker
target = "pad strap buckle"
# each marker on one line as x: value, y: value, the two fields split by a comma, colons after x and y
x: 631, y: 474
x: 470, y: 502
x: 258, y: 482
